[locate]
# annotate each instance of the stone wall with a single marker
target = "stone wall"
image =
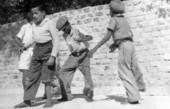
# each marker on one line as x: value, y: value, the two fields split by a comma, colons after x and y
x: 150, y: 23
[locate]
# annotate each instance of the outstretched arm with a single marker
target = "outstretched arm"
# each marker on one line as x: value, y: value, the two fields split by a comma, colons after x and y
x: 84, y: 38
x: 104, y: 40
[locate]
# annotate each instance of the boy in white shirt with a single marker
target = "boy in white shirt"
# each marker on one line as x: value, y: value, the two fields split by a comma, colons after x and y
x: 25, y: 41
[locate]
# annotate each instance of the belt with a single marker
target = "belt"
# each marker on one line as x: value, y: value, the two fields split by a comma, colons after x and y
x: 119, y: 41
x: 44, y: 44
x: 79, y: 53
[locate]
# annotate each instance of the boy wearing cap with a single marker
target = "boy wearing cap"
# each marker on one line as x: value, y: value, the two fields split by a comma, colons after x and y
x: 42, y: 67
x: 25, y: 41
x: 129, y: 71
x: 76, y: 40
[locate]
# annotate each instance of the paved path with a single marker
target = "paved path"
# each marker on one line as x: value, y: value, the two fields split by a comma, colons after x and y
x: 9, y: 98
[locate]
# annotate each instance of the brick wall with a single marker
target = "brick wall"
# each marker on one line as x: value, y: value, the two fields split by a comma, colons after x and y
x: 150, y: 23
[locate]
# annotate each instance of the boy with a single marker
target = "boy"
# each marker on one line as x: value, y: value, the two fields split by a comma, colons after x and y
x: 46, y: 48
x: 76, y: 40
x: 24, y: 39
x: 129, y: 71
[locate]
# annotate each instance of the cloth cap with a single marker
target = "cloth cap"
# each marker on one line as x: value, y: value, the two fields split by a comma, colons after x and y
x: 117, y: 6
x: 61, y: 22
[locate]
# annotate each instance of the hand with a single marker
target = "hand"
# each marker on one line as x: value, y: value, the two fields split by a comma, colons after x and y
x: 21, y: 49
x: 51, y: 61
x: 91, y: 52
x: 112, y: 47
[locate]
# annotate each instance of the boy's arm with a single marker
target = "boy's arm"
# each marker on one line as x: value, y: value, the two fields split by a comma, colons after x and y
x: 19, y: 36
x: 55, y: 38
x: 19, y: 42
x: 111, y: 29
x: 104, y: 40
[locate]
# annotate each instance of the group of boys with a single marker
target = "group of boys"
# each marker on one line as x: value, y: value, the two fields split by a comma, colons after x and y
x: 42, y: 34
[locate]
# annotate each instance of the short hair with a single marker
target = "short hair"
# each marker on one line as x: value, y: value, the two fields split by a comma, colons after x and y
x: 41, y: 6
x: 29, y: 17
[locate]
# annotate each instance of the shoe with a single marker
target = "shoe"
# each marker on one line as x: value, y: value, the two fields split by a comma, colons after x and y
x: 87, y: 92
x: 24, y: 104
x: 48, y: 104
x: 64, y: 99
x: 142, y: 90
x: 135, y: 102
x: 44, y: 96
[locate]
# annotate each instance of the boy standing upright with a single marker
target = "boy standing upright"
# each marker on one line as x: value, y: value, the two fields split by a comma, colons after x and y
x: 42, y: 67
x: 76, y: 40
x: 25, y: 41
x: 128, y: 69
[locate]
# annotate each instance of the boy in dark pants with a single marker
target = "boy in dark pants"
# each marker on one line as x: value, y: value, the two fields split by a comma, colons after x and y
x: 129, y: 71
x: 42, y: 66
x: 76, y: 40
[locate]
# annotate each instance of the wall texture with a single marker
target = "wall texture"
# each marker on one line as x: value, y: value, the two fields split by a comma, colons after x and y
x: 150, y: 23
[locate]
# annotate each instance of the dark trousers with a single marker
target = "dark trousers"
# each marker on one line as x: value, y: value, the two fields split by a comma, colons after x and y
x: 39, y: 71
x: 67, y: 72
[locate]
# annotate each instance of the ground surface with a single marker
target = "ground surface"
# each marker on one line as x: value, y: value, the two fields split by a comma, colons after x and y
x: 102, y: 100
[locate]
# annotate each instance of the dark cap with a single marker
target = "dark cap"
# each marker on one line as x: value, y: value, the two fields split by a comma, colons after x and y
x: 117, y: 6
x: 61, y: 22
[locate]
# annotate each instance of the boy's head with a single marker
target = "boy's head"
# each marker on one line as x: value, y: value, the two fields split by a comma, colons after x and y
x: 63, y: 24
x: 39, y: 12
x: 29, y: 17
x: 116, y: 7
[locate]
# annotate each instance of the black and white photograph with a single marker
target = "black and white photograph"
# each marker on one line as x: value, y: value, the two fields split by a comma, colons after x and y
x: 85, y: 54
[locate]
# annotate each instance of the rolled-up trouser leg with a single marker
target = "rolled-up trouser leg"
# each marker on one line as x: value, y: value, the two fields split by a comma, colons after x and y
x: 33, y: 81
x: 125, y: 60
x: 137, y: 72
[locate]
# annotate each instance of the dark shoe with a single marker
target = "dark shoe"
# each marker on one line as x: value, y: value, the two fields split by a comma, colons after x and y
x: 65, y: 99
x: 23, y: 104
x: 135, y: 102
x: 89, y: 99
x: 44, y: 96
x: 90, y: 94
x: 87, y: 92
x: 142, y: 90
x: 48, y: 104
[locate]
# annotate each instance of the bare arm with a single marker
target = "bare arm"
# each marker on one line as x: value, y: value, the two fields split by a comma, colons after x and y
x: 104, y: 40
x: 18, y: 41
x: 84, y: 39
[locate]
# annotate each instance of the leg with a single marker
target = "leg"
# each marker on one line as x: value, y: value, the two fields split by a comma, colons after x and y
x: 32, y: 83
x: 66, y: 74
x: 48, y: 93
x: 85, y: 69
x: 125, y: 73
x: 137, y: 73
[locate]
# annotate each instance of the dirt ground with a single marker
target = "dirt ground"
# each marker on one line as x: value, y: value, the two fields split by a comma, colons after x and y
x: 102, y: 100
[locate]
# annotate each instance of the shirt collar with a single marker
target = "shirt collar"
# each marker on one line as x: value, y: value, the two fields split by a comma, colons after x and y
x: 43, y: 22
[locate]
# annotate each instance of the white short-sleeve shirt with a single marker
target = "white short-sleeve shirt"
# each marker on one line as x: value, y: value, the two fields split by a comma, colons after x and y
x: 26, y: 35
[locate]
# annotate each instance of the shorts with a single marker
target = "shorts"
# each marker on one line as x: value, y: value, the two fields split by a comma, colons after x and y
x: 25, y: 59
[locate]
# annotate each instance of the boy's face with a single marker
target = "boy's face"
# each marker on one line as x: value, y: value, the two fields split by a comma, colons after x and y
x: 67, y: 28
x: 38, y: 15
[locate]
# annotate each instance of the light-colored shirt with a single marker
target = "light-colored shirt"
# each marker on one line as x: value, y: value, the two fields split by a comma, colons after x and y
x: 120, y: 28
x: 26, y: 35
x: 74, y: 45
x: 46, y: 31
